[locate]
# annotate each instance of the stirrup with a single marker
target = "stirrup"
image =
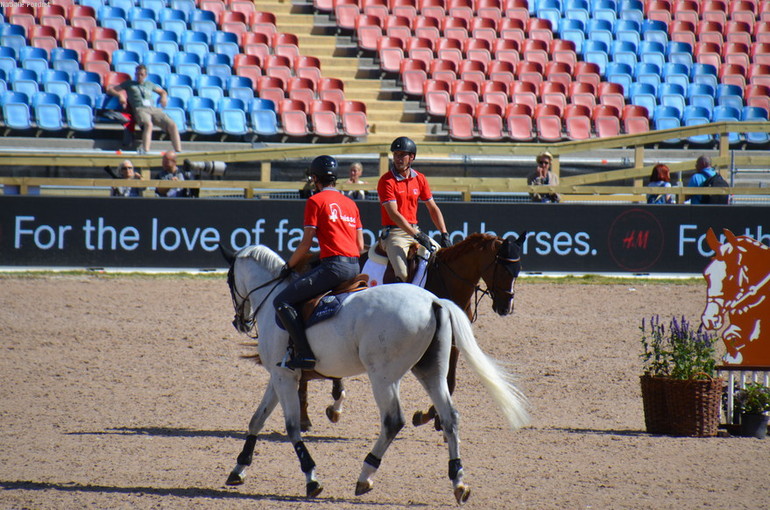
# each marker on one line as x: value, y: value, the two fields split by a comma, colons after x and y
x: 300, y: 363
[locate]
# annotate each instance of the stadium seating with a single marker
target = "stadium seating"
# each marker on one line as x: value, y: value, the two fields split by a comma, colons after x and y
x: 263, y: 119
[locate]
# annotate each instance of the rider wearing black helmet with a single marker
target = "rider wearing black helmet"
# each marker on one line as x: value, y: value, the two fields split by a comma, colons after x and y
x: 334, y: 220
x: 398, y: 191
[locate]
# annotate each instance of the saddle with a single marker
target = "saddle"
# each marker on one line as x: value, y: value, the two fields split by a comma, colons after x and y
x: 311, y: 306
x: 412, y: 262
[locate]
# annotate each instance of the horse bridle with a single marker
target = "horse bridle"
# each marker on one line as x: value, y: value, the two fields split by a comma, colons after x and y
x: 250, y: 323
x: 499, y: 260
x: 734, y: 304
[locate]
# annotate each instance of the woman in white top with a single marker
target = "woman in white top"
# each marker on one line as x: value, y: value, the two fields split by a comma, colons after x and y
x: 660, y: 178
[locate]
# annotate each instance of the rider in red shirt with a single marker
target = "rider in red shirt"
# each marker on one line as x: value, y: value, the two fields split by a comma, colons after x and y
x: 398, y: 191
x: 334, y: 220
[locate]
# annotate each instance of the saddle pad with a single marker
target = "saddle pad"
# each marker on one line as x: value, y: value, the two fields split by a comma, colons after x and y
x: 327, y: 307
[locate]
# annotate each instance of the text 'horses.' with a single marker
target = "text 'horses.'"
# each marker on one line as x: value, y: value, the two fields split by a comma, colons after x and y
x: 385, y: 331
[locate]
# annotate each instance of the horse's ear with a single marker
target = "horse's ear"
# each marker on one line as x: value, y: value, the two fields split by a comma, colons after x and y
x: 711, y: 240
x: 522, y: 237
x: 729, y: 235
x: 227, y: 254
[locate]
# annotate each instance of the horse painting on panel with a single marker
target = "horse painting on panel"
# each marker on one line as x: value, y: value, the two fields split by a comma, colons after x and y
x: 738, y: 297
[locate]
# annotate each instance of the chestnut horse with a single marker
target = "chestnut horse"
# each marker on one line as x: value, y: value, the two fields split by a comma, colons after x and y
x: 453, y: 273
x: 738, y: 296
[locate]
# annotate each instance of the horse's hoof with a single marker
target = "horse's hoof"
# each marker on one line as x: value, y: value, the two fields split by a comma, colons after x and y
x: 462, y: 493
x: 306, y: 426
x: 363, y: 487
x: 332, y: 414
x: 313, y: 489
x: 420, y: 418
x: 235, y: 479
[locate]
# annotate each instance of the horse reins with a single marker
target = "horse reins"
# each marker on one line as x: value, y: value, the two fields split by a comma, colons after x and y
x: 246, y: 297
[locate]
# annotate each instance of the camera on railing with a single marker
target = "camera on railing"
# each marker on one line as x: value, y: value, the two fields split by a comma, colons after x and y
x: 203, y: 169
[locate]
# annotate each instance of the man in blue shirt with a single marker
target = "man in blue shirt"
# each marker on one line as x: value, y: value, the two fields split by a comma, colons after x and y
x: 703, y: 171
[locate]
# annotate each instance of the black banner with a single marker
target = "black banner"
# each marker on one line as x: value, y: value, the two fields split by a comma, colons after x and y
x: 185, y: 233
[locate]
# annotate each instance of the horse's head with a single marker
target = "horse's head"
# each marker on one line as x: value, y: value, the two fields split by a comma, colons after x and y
x: 500, y: 276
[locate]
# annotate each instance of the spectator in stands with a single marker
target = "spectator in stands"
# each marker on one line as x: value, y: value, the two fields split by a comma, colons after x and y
x: 399, y: 190
x: 703, y: 171
x: 171, y: 172
x: 139, y: 97
x: 356, y: 169
x: 660, y: 178
x: 543, y: 176
x: 126, y: 171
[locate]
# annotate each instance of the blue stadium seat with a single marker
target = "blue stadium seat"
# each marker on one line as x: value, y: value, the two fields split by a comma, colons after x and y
x: 628, y: 30
x: 696, y: 115
x: 623, y: 52
x: 180, y: 86
x: 631, y: 10
x: 604, y: 10
x: 13, y: 36
x: 730, y: 95
x: 679, y: 53
x: 24, y: 81
x: 112, y: 17
x: 8, y: 59
x: 188, y: 64
x: 134, y: 39
x: 652, y: 52
x: 704, y: 73
x: 596, y: 52
x: 600, y: 30
x: 124, y: 61
x: 65, y: 59
x: 79, y: 112
x: 648, y: 73
x: 644, y: 94
x: 195, y: 42
x: 142, y: 19
x: 174, y: 20
x: 16, y: 110
x: 175, y: 108
x: 667, y: 117
x: 94, y: 4
x: 203, y: 117
x: 573, y: 30
x: 225, y: 43
x: 34, y: 59
x: 154, y: 5
x: 701, y: 94
x: 755, y: 114
x: 550, y: 10
x: 264, y: 121
x: 232, y: 115
x: 672, y: 94
x: 240, y: 87
x: 203, y: 21
x: 157, y: 63
x: 57, y: 83
x: 123, y: 4
x: 655, y: 30
x: 727, y: 113
x: 676, y: 73
x: 89, y: 84
x: 164, y: 41
x: 621, y: 73
x: 217, y: 64
x: 577, y: 9
x: 210, y: 86
x: 186, y: 6
x: 48, y: 111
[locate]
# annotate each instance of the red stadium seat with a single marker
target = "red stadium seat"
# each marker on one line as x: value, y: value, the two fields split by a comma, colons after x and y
x: 460, y: 9
x: 406, y: 8
x: 501, y: 71
x: 491, y: 9
x: 562, y: 50
x: 472, y: 70
x: 478, y: 49
x: 513, y: 29
x: 762, y: 31
x: 96, y: 61
x: 433, y: 8
x: 710, y: 31
x: 738, y: 32
x: 419, y: 48
x: 658, y: 10
x: 444, y: 70
x: 743, y: 11
x: 635, y: 119
x: 759, y: 74
x: 43, y: 37
x: 301, y: 89
x: 353, y: 118
x: 760, y: 53
x: 248, y: 66
x: 286, y: 44
x: 524, y: 92
x: 682, y: 31
x: 736, y: 53
x: 76, y: 38
x: 757, y: 95
x: 506, y: 50
x: 518, y: 121
x: 467, y: 92
x: 495, y: 92
x: 535, y: 50
x: 413, y: 73
x: 455, y: 28
x: 427, y: 27
x: 52, y: 16
x: 105, y: 39
x: 553, y: 93
x: 377, y: 8
x: 397, y: 26
x: 278, y: 66
x: 686, y: 10
x: 306, y: 66
x: 391, y: 52
x: 587, y: 72
x: 577, y: 122
x: 450, y: 49
x: 368, y: 32
x: 246, y: 7
x: 272, y: 88
x: 293, y: 115
x: 323, y: 118
x: 529, y: 71
x: 582, y: 93
x: 732, y: 74
x: 606, y: 119
x: 714, y: 10
x: 256, y: 43
x: 611, y: 94
x: 483, y: 29
x: 489, y: 121
x: 548, y: 122
x: 460, y: 121
x: 264, y: 23
x: 437, y: 96
x: 346, y: 12
x: 558, y: 72
x: 516, y: 9
x: 708, y: 53
x: 332, y: 89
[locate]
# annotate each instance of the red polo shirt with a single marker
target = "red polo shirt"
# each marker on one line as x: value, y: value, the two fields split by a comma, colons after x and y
x: 336, y: 220
x: 405, y: 191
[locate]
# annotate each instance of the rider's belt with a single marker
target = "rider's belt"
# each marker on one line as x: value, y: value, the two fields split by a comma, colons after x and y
x: 340, y: 258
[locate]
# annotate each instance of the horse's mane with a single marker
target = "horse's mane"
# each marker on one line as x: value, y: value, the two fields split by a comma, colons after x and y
x: 264, y: 257
x: 471, y: 243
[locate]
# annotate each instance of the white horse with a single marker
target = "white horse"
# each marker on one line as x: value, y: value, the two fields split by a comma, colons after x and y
x: 384, y: 331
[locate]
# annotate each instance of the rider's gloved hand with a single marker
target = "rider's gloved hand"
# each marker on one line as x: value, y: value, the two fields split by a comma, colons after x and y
x: 444, y: 241
x: 285, y: 272
x: 424, y: 240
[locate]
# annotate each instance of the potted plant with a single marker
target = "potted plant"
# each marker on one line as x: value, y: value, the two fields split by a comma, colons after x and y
x: 753, y: 402
x: 679, y: 387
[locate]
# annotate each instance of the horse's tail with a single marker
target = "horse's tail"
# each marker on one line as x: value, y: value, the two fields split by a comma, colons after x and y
x: 498, y: 382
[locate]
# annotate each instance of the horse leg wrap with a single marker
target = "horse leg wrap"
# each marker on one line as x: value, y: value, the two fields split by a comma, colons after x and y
x: 247, y: 453
x: 455, y: 466
x: 372, y: 461
x: 305, y: 460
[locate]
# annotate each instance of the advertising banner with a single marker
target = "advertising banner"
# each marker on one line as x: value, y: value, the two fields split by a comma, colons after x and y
x: 185, y: 233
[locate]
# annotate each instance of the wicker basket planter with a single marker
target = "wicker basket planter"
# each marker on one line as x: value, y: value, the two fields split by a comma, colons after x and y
x: 656, y: 416
x: 693, y: 406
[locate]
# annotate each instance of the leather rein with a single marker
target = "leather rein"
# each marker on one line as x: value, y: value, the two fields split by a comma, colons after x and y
x: 250, y: 323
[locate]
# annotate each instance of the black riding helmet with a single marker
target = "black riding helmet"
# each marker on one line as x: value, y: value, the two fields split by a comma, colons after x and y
x: 405, y: 144
x: 324, y: 168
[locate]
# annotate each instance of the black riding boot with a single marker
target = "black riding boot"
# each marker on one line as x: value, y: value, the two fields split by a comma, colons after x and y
x: 303, y: 357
